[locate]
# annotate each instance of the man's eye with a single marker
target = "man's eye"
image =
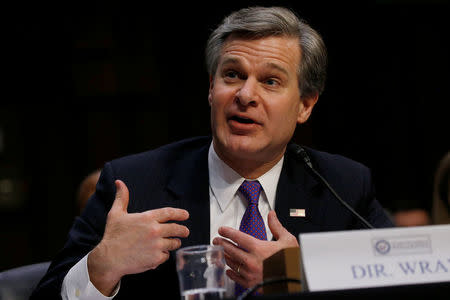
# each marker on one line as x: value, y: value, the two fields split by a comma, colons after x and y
x: 271, y: 81
x: 231, y: 74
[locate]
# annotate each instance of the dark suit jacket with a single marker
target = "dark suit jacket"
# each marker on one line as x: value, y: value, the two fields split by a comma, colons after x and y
x: 177, y: 175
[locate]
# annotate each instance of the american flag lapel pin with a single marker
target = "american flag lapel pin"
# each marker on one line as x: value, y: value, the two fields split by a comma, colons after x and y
x: 297, y: 212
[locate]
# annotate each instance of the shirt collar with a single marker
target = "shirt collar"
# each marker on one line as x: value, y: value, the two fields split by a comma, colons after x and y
x: 225, y: 182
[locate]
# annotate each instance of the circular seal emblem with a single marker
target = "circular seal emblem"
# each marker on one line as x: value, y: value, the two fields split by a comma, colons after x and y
x: 382, y: 247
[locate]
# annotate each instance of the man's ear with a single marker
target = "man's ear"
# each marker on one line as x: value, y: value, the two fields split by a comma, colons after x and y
x: 211, y: 86
x: 306, y: 106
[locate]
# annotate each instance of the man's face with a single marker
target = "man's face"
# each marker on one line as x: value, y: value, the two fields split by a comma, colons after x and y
x: 255, y: 98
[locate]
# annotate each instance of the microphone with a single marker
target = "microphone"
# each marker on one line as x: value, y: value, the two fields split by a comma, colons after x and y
x: 301, y: 153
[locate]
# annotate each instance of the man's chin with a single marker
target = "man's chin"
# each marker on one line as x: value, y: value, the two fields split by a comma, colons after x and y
x: 242, y: 148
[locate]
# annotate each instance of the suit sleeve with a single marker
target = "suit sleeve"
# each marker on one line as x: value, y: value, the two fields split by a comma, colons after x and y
x: 86, y: 232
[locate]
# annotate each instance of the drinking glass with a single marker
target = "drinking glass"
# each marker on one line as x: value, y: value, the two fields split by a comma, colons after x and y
x: 201, y: 272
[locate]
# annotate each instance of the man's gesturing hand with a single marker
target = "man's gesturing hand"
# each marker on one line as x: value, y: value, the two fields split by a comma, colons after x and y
x: 246, y: 258
x: 133, y: 243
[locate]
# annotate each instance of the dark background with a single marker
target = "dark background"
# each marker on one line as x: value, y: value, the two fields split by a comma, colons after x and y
x: 89, y: 82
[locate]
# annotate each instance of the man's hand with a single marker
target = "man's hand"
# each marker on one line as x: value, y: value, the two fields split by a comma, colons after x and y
x: 133, y: 243
x: 246, y: 258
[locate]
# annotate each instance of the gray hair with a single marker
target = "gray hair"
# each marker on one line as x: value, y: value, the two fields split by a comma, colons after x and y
x: 258, y: 22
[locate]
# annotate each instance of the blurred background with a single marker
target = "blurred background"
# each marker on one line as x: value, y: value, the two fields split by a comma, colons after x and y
x: 87, y: 82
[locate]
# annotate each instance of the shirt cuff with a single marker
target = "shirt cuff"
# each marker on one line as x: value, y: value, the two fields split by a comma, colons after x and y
x: 78, y: 286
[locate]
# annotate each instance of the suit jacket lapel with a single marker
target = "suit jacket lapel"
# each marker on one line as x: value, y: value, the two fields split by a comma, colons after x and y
x: 297, y: 189
x: 189, y: 187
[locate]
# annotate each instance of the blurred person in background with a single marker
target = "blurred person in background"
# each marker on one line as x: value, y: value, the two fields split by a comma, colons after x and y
x: 86, y: 189
x: 18, y: 283
x: 441, y: 195
x: 440, y: 211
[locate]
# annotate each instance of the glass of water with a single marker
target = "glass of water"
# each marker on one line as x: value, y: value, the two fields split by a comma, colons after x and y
x: 201, y: 272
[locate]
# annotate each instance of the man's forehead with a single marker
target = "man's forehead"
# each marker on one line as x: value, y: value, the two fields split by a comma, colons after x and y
x: 288, y: 41
x: 276, y: 52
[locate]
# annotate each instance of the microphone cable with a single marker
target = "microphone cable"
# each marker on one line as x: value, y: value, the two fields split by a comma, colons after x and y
x: 300, y: 152
x: 251, y: 290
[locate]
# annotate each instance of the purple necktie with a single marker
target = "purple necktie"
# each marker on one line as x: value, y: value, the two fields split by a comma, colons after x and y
x: 252, y: 223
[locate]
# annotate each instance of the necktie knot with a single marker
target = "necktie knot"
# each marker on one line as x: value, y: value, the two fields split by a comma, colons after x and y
x: 251, y: 191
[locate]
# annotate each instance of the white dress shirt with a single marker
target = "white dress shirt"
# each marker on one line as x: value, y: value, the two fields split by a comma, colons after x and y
x: 227, y: 207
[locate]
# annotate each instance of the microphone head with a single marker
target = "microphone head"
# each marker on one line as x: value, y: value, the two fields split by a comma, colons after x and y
x: 293, y: 147
x: 300, y: 153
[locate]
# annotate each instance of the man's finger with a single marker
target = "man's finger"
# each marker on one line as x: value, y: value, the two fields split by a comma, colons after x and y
x: 165, y: 214
x: 236, y: 277
x: 231, y: 250
x: 234, y: 265
x: 275, y: 226
x: 172, y: 244
x: 242, y: 239
x: 174, y: 230
x: 280, y: 233
x: 122, y: 197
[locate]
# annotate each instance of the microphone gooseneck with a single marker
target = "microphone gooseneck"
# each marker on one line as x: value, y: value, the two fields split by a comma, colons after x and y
x: 301, y: 153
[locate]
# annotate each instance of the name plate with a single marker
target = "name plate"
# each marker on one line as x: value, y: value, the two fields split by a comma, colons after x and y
x: 373, y: 258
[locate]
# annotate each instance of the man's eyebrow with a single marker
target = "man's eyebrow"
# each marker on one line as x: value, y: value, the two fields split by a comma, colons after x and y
x: 230, y: 60
x: 277, y: 67
x: 271, y: 65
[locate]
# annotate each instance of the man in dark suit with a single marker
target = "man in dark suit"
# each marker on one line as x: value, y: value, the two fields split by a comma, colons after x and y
x: 267, y: 69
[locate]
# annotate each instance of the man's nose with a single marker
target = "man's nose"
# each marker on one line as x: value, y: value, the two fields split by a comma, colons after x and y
x: 248, y: 94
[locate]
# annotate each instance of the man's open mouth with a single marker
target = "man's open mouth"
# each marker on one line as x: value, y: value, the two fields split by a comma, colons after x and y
x: 242, y: 120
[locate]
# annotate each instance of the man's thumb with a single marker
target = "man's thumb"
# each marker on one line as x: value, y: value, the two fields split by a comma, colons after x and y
x: 122, y: 196
x: 275, y: 226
